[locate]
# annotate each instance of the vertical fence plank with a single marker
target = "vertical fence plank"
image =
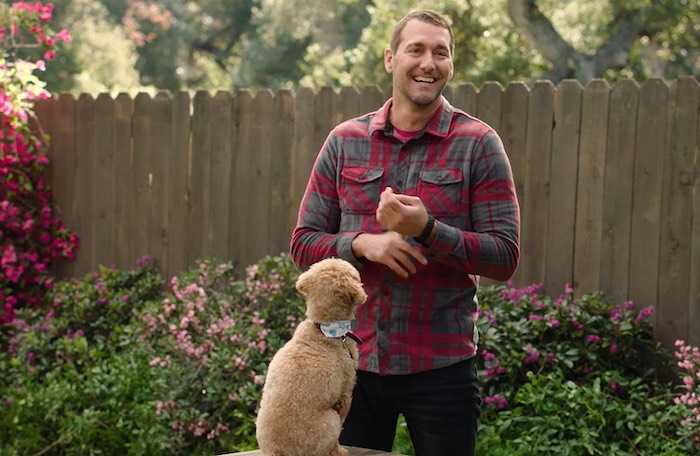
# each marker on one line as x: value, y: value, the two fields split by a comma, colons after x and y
x: 694, y: 301
x: 105, y: 185
x: 58, y: 121
x: 676, y: 226
x: 348, y: 104
x: 143, y: 142
x: 619, y: 180
x: 124, y: 178
x: 281, y: 150
x: 589, y: 197
x: 245, y: 183
x: 538, y: 151
x: 65, y: 163
x: 489, y: 104
x: 561, y: 223
x: 259, y: 232
x: 464, y: 98
x: 178, y: 239
x: 217, y: 241
x: 303, y: 153
x: 371, y: 99
x: 514, y: 134
x: 199, y: 177
x: 652, y: 122
x: 161, y: 150
x: 84, y: 201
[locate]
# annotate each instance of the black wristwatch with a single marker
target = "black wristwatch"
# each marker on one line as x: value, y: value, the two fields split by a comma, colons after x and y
x: 425, y: 234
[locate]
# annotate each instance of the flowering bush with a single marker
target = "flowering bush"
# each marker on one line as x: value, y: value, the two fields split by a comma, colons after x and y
x: 689, y: 363
x: 71, y: 378
x: 211, y: 339
x: 32, y: 236
x: 122, y: 364
x: 574, y: 376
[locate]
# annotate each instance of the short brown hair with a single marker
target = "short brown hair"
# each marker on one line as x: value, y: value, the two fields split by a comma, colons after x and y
x: 428, y: 16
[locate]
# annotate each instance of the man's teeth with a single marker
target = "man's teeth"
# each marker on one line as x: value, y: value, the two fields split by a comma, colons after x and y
x: 429, y: 80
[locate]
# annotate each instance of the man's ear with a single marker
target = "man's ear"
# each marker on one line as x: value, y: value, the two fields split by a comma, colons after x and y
x: 388, y: 60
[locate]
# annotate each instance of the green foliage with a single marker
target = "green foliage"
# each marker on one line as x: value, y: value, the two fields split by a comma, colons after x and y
x: 551, y: 415
x: 71, y: 379
x: 575, y: 376
x: 123, y: 364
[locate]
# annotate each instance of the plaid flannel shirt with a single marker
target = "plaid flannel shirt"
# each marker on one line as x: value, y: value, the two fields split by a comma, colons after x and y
x: 458, y: 167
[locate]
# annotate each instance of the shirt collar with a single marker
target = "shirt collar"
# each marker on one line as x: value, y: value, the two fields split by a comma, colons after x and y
x: 438, y: 125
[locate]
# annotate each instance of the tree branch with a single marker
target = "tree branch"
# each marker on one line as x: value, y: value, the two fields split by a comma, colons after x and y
x: 539, y: 31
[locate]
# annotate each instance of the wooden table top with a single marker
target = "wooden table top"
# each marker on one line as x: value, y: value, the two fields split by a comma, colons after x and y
x: 353, y: 451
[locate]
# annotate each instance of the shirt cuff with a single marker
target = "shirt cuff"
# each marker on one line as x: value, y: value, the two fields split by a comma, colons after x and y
x: 447, y: 239
x: 344, y: 249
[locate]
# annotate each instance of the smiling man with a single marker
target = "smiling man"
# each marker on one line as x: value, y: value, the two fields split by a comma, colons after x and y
x: 420, y: 197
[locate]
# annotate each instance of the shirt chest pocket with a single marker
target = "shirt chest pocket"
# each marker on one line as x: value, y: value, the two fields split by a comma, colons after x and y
x: 441, y: 190
x: 360, y: 189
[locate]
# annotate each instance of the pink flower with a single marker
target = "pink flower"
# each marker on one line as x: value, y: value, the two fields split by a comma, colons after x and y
x: 592, y: 339
x: 532, y: 355
x: 613, y: 347
x: 535, y: 317
x: 9, y: 255
x: 645, y: 313
x: 64, y: 36
x: 498, y: 401
x: 553, y: 322
x: 488, y: 356
x: 49, y: 55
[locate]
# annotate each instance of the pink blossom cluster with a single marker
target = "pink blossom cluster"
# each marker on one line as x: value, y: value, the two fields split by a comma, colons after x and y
x: 689, y: 362
x: 493, y: 366
x: 139, y: 12
x: 34, y: 237
x: 532, y: 355
x: 257, y: 287
x: 515, y: 295
x: 497, y: 400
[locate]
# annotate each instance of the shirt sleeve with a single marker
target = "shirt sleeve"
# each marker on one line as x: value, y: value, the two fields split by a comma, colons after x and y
x: 492, y: 249
x: 316, y: 235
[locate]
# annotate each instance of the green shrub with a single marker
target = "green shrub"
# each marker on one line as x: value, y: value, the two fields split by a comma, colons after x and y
x: 121, y: 363
x: 574, y: 376
x: 211, y: 340
x: 71, y: 379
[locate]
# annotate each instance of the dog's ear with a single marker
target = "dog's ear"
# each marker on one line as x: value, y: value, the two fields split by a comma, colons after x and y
x: 304, y: 283
x: 359, y: 295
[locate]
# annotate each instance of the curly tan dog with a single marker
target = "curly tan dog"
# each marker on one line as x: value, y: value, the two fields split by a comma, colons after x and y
x: 309, y: 382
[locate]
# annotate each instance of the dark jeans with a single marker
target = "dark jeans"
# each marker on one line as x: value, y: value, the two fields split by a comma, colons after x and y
x: 441, y: 408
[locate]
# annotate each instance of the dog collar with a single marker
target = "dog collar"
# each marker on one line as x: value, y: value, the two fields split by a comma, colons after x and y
x: 339, y: 329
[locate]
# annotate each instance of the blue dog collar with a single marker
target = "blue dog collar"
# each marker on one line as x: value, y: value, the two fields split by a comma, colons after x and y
x: 339, y: 329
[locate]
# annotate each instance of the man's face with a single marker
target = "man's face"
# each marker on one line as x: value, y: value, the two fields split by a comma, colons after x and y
x: 422, y: 63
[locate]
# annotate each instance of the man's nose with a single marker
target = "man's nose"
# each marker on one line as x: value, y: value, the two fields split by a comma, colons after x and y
x: 427, y: 61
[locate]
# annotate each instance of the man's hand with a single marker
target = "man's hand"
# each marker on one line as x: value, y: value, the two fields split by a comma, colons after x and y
x: 401, y: 213
x: 389, y: 249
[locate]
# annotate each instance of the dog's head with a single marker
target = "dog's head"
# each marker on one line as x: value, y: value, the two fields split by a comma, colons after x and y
x: 332, y: 289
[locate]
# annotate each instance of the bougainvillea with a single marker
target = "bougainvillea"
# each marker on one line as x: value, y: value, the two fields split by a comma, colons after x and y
x: 32, y: 236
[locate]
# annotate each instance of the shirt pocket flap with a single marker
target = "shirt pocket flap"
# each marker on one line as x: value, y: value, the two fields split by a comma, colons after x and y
x: 441, y: 176
x: 361, y: 175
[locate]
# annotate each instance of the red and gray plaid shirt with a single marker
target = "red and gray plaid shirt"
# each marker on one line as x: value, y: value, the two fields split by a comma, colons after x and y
x: 459, y: 169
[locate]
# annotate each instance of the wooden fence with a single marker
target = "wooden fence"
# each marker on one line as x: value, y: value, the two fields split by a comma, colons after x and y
x: 607, y: 178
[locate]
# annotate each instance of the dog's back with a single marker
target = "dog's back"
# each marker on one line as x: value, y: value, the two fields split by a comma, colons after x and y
x: 306, y: 381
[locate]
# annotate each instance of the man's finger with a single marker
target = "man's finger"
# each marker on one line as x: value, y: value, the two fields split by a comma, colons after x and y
x: 405, y: 261
x: 394, y: 266
x: 414, y: 252
x: 408, y: 200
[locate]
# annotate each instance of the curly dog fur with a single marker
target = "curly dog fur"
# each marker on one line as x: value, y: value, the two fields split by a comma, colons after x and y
x: 309, y: 382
